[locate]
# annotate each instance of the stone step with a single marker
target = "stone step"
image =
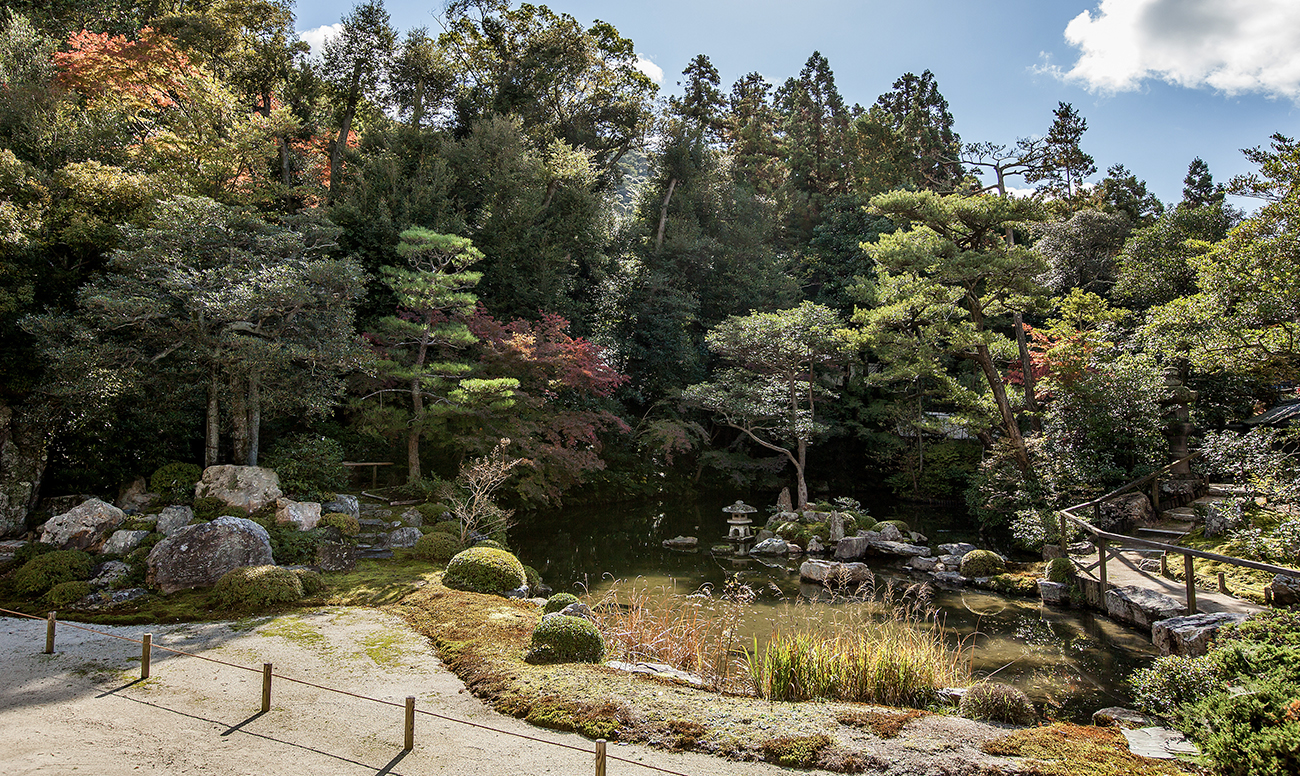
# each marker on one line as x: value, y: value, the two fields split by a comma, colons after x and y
x: 373, y: 554
x: 1180, y: 513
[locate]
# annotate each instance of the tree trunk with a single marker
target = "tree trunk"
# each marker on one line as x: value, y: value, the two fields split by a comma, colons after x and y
x: 25, y: 436
x: 238, y: 419
x: 663, y: 215
x: 1027, y: 369
x: 799, y: 472
x: 985, y: 360
x: 212, y: 436
x: 417, y: 408
x: 254, y: 419
x: 345, y: 129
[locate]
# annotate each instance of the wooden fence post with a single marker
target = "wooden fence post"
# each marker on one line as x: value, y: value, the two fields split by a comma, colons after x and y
x: 49, y: 634
x: 1101, y: 566
x: 1164, y: 564
x: 146, y: 653
x: 1065, y: 553
x: 410, y: 723
x: 1189, y: 571
x: 600, y: 757
x: 266, y: 687
x: 1223, y: 583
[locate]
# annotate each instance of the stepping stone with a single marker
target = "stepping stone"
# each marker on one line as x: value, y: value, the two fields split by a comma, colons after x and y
x: 1159, y: 743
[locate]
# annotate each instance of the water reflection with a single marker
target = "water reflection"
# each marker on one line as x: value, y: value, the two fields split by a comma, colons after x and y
x: 1070, y: 660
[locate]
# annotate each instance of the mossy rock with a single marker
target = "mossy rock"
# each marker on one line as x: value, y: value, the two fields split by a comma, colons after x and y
x: 866, y: 523
x: 821, y: 530
x: 312, y: 582
x: 67, y: 593
x: 35, y: 577
x: 437, y: 547
x: 448, y: 526
x: 899, y: 524
x: 795, y: 751
x: 347, y: 525
x: 562, y: 639
x: 484, y: 570
x: 434, y: 511
x: 31, y: 550
x: 557, y: 602
x: 1010, y: 584
x: 851, y: 525
x: 1060, y: 570
x: 997, y: 702
x: 982, y: 563
x: 793, y: 532
x: 210, y: 508
x: 250, y: 588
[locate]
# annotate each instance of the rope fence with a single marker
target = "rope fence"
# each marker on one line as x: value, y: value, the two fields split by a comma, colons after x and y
x: 147, y: 646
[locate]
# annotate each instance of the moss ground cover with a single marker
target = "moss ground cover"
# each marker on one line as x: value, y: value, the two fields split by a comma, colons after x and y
x: 1078, y: 750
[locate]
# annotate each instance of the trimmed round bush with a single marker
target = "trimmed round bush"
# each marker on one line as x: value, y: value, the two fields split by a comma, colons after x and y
x: 256, y: 587
x: 982, y: 563
x: 433, y: 511
x: 484, y: 570
x: 38, y: 575
x: 67, y: 593
x: 996, y: 702
x: 347, y: 525
x: 562, y: 639
x: 448, y: 526
x: 557, y: 602
x: 174, y: 482
x: 312, y: 582
x: 438, y: 547
x: 493, y: 543
x: 1060, y: 570
x: 866, y: 523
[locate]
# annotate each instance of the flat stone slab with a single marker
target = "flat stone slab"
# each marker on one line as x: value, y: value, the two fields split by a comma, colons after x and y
x: 1159, y: 743
x: 1118, y: 716
x: 900, y: 548
x: 1191, y: 635
x: 1141, y: 607
x: 824, y: 571
x: 659, y: 670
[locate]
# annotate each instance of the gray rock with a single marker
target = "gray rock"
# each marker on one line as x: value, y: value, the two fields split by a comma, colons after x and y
x: 336, y: 556
x: 342, y: 504
x: 109, y: 599
x: 405, y: 537
x: 304, y: 514
x: 199, y: 555
x: 1285, y: 590
x: 918, y: 538
x: 681, y: 543
x: 1223, y: 516
x: 1053, y: 593
x: 84, y: 527
x: 520, y: 592
x: 952, y: 695
x: 578, y: 609
x: 1122, y: 513
x: 135, y: 496
x: 900, y: 548
x: 110, y: 574
x: 1139, y: 606
x: 852, y: 548
x: 1118, y: 716
x: 774, y: 546
x: 793, y: 548
x: 412, y: 517
x: 830, y: 572
x: 836, y: 527
x: 959, y: 549
x: 173, y: 519
x: 1081, y: 548
x: 1159, y: 743
x: 952, y: 561
x: 246, y: 487
x: 923, y: 564
x: 815, y: 547
x: 764, y: 535
x: 890, y: 533
x: 1191, y: 635
x: 660, y: 671
x: 8, y: 548
x: 950, y: 578
x: 122, y: 542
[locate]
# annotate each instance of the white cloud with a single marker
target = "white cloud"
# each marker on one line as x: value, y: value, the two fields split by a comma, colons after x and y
x: 316, y: 38
x: 655, y: 72
x: 1232, y: 46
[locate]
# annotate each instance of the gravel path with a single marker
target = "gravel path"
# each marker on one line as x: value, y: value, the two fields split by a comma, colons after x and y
x: 84, y: 709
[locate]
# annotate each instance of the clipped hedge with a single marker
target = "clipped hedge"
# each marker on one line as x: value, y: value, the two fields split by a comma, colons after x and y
x: 67, y: 593
x: 557, y: 602
x: 35, y: 577
x: 437, y: 547
x: 996, y: 702
x: 484, y: 570
x: 1060, y: 570
x: 249, y: 588
x: 982, y: 563
x: 562, y: 639
x: 493, y: 543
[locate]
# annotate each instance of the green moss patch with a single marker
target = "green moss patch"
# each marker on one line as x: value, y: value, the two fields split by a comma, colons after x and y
x: 1076, y: 750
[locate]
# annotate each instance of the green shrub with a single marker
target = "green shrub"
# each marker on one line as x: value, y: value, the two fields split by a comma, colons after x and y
x: 1254, y: 731
x: 493, y: 543
x: 562, y: 639
x: 1010, y: 584
x: 67, y: 593
x: 174, y: 482
x: 35, y: 577
x: 312, y: 582
x: 1173, y: 681
x: 534, y: 578
x: 210, y: 508
x: 309, y: 466
x: 484, y: 570
x: 433, y: 511
x: 982, y: 563
x: 347, y: 525
x: 557, y: 602
x: 31, y: 550
x: 794, y: 532
x: 251, y: 588
x: 899, y: 524
x: 290, y: 545
x: 851, y: 525
x: 438, y: 547
x: 820, y: 530
x: 866, y: 523
x: 448, y: 526
x: 997, y: 702
x: 1060, y: 570
x: 795, y: 751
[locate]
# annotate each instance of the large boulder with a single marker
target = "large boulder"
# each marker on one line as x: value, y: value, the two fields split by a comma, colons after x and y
x: 774, y: 546
x: 1223, y: 516
x: 122, y: 542
x: 1141, y: 607
x: 344, y: 505
x: 1190, y: 636
x: 1054, y: 593
x: 173, y: 519
x: 336, y: 556
x: 304, y: 514
x: 958, y: 548
x: 404, y: 537
x: 84, y: 527
x: 826, y: 572
x: 135, y: 496
x: 199, y: 555
x: 1122, y: 513
x: 900, y: 548
x: 853, y: 547
x: 1284, y: 589
x: 246, y: 487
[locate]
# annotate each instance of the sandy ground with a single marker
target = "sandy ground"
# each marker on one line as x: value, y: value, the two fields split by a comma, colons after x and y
x: 85, y: 710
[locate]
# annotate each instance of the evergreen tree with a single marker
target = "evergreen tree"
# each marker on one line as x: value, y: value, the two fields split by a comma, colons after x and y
x: 815, y: 129
x: 752, y: 136
x: 1066, y: 165
x: 911, y: 129
x: 355, y: 63
x: 1198, y: 187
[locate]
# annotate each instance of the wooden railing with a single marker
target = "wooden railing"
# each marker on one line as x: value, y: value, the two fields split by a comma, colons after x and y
x: 1103, y: 539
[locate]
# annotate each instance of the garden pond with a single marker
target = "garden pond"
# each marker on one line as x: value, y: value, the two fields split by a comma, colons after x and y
x: 1069, y: 660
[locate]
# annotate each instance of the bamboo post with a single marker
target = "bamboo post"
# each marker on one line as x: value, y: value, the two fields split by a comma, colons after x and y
x: 49, y: 634
x: 1223, y: 583
x: 1164, y: 564
x: 266, y: 687
x: 1189, y: 572
x: 146, y: 652
x: 1101, y: 566
x: 410, y: 723
x: 600, y: 757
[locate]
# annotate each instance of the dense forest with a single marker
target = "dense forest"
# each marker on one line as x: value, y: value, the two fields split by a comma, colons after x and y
x: 216, y: 247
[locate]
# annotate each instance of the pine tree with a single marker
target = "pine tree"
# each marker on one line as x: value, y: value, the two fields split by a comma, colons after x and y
x: 1067, y: 166
x: 1198, y: 186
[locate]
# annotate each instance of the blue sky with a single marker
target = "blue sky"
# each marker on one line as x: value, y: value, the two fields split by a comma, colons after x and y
x: 1159, y: 81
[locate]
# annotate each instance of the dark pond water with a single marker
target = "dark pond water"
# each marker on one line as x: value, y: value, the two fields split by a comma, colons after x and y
x: 1068, y: 659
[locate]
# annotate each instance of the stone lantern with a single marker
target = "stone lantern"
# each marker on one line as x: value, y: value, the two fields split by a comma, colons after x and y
x: 740, y: 531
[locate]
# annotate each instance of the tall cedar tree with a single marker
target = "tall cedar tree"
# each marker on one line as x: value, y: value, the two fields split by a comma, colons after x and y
x: 1067, y: 165
x: 815, y: 130
x: 355, y: 62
